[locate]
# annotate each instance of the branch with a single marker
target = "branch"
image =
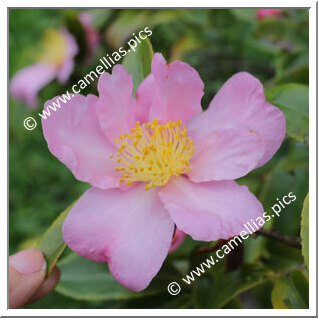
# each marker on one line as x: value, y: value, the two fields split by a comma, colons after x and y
x: 288, y: 240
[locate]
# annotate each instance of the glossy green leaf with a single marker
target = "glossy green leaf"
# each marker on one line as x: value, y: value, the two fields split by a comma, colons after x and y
x: 83, y: 279
x: 51, y: 243
x: 278, y: 184
x: 138, y: 63
x: 293, y: 100
x: 291, y: 292
x: 304, y: 232
x: 215, y: 291
x: 282, y: 258
x: 297, y: 157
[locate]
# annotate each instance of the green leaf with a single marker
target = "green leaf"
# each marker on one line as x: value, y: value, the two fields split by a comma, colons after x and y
x: 100, y: 18
x: 83, y: 279
x: 138, y: 63
x: 129, y: 21
x: 291, y: 292
x: 76, y: 28
x: 281, y: 258
x: 233, y: 304
x: 293, y: 100
x: 51, y: 243
x: 247, y: 15
x: 304, y: 232
x: 217, y: 290
x: 279, y: 183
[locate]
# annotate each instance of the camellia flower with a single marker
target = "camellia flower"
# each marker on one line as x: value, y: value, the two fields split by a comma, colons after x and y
x: 264, y: 13
x: 55, y: 60
x: 157, y: 161
x: 177, y: 240
x: 92, y: 36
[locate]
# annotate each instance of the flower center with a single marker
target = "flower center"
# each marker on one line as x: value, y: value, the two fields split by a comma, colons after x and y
x: 152, y: 153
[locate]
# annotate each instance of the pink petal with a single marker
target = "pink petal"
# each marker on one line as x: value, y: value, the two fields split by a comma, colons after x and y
x: 209, y: 211
x: 227, y: 154
x: 116, y: 106
x: 241, y: 101
x: 177, y: 240
x: 26, y: 84
x: 74, y: 136
x: 171, y: 92
x: 131, y: 230
x: 68, y: 65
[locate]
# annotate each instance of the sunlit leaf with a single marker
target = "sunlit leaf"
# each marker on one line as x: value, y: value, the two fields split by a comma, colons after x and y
x: 87, y: 280
x: 138, y: 63
x: 51, y: 243
x: 293, y: 100
x: 291, y: 292
x: 304, y: 233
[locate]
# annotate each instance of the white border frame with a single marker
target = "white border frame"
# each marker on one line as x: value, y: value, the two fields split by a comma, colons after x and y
x: 312, y: 162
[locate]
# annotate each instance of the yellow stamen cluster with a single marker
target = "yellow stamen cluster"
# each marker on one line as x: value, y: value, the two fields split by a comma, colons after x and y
x: 152, y: 153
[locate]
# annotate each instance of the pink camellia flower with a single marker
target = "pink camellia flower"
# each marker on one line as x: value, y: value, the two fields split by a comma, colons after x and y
x: 56, y: 60
x: 177, y: 240
x: 265, y: 13
x: 92, y: 36
x: 158, y: 161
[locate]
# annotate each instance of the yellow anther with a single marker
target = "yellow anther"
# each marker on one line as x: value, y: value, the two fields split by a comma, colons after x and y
x: 153, y: 153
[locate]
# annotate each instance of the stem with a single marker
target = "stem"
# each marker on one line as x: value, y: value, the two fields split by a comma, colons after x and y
x: 288, y: 240
x: 209, y: 249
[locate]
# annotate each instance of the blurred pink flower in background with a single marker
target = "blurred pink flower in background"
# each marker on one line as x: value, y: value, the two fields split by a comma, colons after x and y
x: 92, y: 36
x: 265, y: 13
x: 158, y: 161
x: 55, y: 61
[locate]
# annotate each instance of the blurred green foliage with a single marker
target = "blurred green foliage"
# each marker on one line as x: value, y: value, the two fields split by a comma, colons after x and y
x: 263, y: 273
